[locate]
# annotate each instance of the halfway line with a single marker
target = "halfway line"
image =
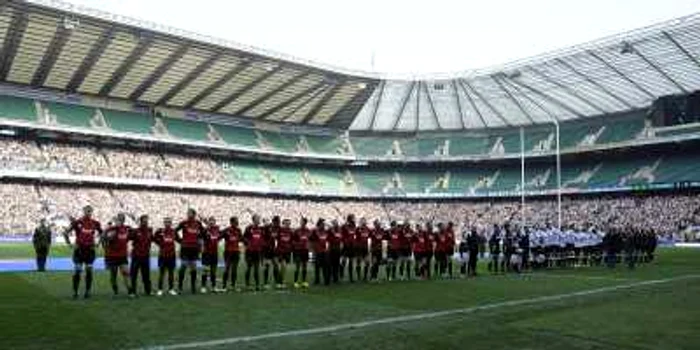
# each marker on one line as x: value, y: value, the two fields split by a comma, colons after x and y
x: 415, y: 317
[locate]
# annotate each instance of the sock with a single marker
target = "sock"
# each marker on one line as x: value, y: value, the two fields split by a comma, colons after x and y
x: 226, y: 273
x: 88, y: 281
x: 266, y: 274
x: 181, y: 277
x: 204, y: 278
x: 193, y: 281
x: 76, y: 282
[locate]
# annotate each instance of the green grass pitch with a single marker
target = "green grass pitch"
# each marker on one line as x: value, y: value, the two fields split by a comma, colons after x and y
x: 36, y: 312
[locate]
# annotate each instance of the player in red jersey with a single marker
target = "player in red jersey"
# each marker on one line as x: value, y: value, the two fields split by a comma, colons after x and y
x: 210, y: 255
x: 348, y: 230
x: 268, y: 258
x: 165, y: 238
x: 300, y: 243
x: 254, y: 239
x: 377, y: 236
x: 406, y: 235
x: 116, y: 243
x: 319, y: 238
x: 232, y: 252
x: 335, y: 251
x: 190, y: 234
x: 430, y: 249
x: 394, y: 239
x: 362, y: 258
x: 141, y: 238
x: 86, y: 230
x: 450, y: 247
x: 420, y: 244
x: 283, y: 252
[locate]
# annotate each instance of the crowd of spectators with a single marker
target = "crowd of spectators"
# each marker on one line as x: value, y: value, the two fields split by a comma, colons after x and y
x: 24, y: 205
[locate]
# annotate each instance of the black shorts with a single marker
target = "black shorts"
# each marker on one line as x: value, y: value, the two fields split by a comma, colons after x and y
x: 253, y: 257
x: 361, y: 252
x: 284, y: 256
x: 405, y: 252
x: 439, y: 256
x: 348, y: 252
x: 393, y: 254
x: 301, y: 256
x: 84, y: 255
x: 166, y: 262
x: 209, y: 259
x: 189, y: 254
x: 232, y: 257
x: 269, y: 254
x: 377, y: 255
x: 419, y: 256
x: 116, y: 261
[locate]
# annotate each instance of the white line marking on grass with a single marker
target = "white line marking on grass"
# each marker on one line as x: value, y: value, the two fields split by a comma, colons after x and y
x: 582, y: 277
x: 414, y: 317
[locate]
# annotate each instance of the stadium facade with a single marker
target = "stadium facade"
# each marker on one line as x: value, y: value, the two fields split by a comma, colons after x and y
x: 81, y: 79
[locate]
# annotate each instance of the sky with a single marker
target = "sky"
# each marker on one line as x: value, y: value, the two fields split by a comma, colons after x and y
x: 406, y: 37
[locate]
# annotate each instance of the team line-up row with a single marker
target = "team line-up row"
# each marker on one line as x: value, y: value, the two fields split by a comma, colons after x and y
x: 357, y: 247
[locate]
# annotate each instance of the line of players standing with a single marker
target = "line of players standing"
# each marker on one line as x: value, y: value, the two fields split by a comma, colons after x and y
x: 353, y: 248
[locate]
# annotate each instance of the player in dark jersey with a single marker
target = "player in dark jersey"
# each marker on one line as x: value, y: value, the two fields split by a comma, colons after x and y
x: 394, y: 239
x: 377, y: 236
x: 419, y: 245
x: 210, y: 255
x: 495, y: 249
x: 164, y: 238
x: 429, y: 249
x: 300, y: 243
x: 190, y: 235
x: 450, y: 247
x: 268, y: 258
x: 116, y: 244
x: 254, y: 239
x: 335, y: 251
x: 319, y: 238
x: 86, y: 230
x: 441, y: 251
x: 405, y: 251
x: 361, y: 250
x: 232, y: 238
x: 283, y: 252
x: 141, y: 238
x: 348, y: 259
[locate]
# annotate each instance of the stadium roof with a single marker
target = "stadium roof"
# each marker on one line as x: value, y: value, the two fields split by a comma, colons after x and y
x: 53, y: 44
x: 56, y: 45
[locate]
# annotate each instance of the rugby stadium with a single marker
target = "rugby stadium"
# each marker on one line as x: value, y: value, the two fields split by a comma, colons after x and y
x: 571, y: 167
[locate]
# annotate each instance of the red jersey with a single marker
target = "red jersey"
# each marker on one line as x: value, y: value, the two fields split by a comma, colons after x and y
x: 254, y: 238
x: 192, y: 233
x: 449, y: 241
x: 406, y: 237
x: 232, y: 237
x: 85, y: 229
x: 165, y: 239
x: 320, y: 238
x: 300, y: 241
x: 419, y: 243
x: 336, y: 238
x: 141, y: 238
x: 211, y: 240
x: 394, y: 238
x: 377, y: 238
x: 117, y: 246
x: 348, y: 231
x: 270, y: 233
x: 362, y: 237
x: 284, y: 241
